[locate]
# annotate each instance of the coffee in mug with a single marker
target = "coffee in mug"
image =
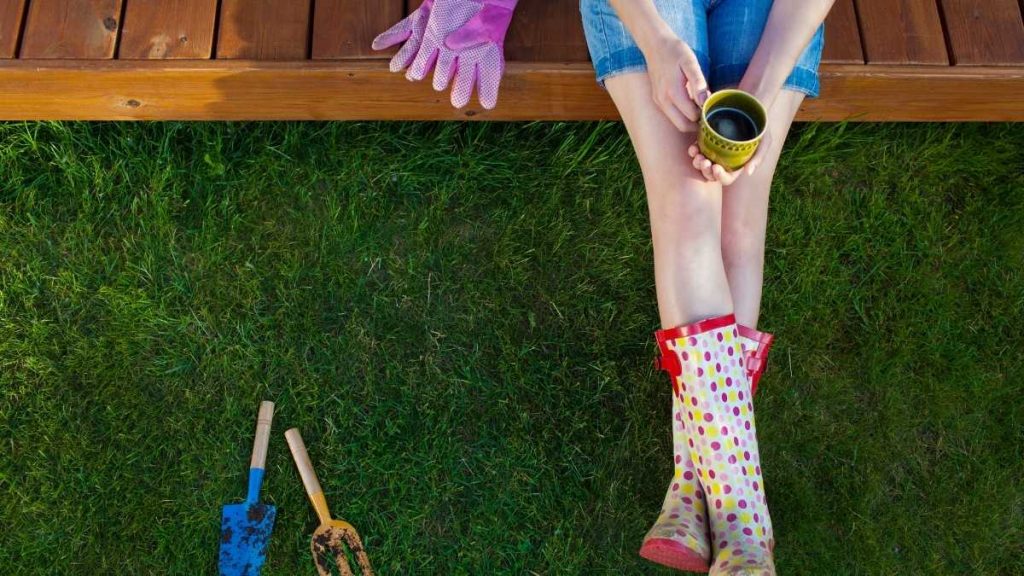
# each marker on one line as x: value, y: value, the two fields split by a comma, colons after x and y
x: 731, y: 128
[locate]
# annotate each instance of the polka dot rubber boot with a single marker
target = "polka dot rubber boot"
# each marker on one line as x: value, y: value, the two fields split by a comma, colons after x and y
x: 679, y: 538
x: 722, y: 437
x: 755, y: 349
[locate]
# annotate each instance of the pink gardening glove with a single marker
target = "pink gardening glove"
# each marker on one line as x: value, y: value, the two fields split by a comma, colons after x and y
x: 411, y: 31
x: 475, y: 54
x: 465, y: 39
x: 446, y: 16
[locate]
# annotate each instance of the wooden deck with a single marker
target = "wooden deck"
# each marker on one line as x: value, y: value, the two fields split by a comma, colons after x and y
x: 885, y: 60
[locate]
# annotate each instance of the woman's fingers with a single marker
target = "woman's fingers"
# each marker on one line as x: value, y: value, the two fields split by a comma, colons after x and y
x: 674, y: 115
x: 712, y: 172
x: 724, y: 176
x: 681, y: 100
x: 678, y: 86
x: 700, y: 96
x: 709, y: 171
x: 705, y: 166
x: 696, y: 84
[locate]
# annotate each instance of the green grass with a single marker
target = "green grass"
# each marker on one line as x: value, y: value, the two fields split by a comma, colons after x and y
x: 459, y: 319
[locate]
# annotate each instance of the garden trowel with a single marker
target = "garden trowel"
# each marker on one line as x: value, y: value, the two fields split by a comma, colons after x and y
x: 245, y: 528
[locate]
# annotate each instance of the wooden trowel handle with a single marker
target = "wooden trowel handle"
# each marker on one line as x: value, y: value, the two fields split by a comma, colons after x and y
x: 259, y: 444
x: 309, y: 479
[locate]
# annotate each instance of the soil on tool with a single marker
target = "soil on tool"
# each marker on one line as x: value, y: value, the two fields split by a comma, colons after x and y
x: 245, y: 535
x: 332, y: 543
x: 257, y: 513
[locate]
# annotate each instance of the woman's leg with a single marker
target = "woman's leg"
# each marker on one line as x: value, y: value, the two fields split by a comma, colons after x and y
x: 745, y: 217
x: 685, y: 213
x: 685, y: 210
x: 715, y: 387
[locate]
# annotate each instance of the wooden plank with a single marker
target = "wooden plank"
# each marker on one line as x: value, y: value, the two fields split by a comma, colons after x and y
x: 255, y: 90
x: 547, y: 31
x: 346, y: 28
x: 842, y: 35
x: 917, y: 94
x: 222, y: 89
x: 902, y: 32
x: 11, y: 12
x: 156, y: 29
x: 988, y: 32
x: 74, y: 29
x: 264, y: 29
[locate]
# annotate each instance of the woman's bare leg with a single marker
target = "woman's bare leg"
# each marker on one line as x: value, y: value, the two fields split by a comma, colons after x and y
x: 686, y: 216
x: 745, y: 217
x: 685, y: 210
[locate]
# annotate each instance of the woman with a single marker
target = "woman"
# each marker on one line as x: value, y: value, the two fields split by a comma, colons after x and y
x: 655, y: 57
x: 658, y: 60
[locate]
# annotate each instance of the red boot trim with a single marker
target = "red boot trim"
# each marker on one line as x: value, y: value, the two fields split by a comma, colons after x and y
x: 668, y: 361
x: 755, y: 335
x: 757, y: 360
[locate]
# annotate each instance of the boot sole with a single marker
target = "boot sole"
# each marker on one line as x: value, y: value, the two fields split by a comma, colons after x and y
x: 674, y: 555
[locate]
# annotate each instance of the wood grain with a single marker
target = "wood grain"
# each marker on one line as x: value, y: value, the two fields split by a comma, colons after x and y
x: 346, y: 28
x: 917, y: 94
x: 842, y: 35
x: 302, y: 462
x: 84, y: 29
x: 261, y: 439
x: 547, y: 31
x: 902, y: 32
x: 264, y: 29
x: 254, y: 90
x: 988, y: 32
x: 155, y: 29
x: 11, y: 12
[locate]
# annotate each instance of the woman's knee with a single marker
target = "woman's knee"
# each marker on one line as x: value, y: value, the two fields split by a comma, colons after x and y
x: 743, y: 244
x: 685, y: 208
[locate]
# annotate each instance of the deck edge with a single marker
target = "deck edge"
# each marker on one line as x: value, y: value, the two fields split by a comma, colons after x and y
x: 336, y: 90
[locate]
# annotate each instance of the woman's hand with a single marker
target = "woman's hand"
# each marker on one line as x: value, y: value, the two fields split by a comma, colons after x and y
x: 677, y: 82
x: 716, y: 173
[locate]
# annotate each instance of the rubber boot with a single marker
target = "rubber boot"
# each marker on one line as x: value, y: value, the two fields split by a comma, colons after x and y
x: 715, y: 392
x: 679, y: 538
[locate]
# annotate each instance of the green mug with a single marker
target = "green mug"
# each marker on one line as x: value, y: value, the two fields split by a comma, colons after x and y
x: 732, y: 124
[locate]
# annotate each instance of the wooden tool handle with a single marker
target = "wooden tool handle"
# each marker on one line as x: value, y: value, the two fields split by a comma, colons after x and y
x: 259, y: 444
x: 302, y: 462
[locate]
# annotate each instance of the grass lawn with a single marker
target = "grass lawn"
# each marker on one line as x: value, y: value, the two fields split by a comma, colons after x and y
x: 459, y: 319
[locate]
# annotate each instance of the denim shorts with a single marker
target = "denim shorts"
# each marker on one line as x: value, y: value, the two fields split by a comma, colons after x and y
x: 722, y: 33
